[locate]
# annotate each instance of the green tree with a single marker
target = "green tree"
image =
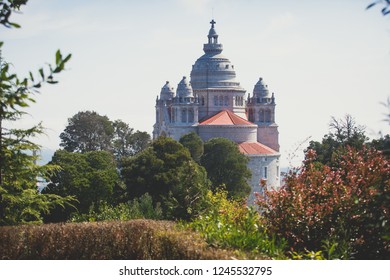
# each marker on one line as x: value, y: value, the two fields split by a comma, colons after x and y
x: 90, y: 177
x: 20, y: 201
x: 167, y: 172
x: 226, y: 166
x: 126, y: 142
x: 140, y: 141
x: 194, y: 144
x: 382, y: 144
x: 122, y: 140
x: 343, y: 133
x: 87, y: 131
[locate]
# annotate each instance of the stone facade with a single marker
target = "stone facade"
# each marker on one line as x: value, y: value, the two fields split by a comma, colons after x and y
x: 266, y: 168
x: 213, y: 104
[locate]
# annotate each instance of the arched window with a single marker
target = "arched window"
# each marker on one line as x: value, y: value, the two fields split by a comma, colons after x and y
x: 226, y: 101
x: 173, y: 115
x: 190, y: 115
x: 268, y: 116
x: 169, y: 114
x: 220, y: 100
x: 184, y: 115
x: 261, y: 116
x: 202, y: 100
x: 251, y: 119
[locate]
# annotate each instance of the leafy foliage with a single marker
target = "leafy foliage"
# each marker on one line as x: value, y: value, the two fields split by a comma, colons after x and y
x: 20, y: 201
x: 167, y: 172
x: 346, y: 208
x: 138, y: 208
x: 231, y: 224
x: 6, y: 9
x: 343, y: 132
x: 122, y: 140
x: 226, y: 167
x: 382, y: 144
x: 89, y: 177
x: 194, y: 144
x: 87, y: 131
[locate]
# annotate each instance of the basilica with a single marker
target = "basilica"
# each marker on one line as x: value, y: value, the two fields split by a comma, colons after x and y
x: 212, y: 104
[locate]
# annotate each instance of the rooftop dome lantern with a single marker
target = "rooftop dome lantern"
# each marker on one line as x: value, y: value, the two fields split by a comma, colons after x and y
x: 212, y: 46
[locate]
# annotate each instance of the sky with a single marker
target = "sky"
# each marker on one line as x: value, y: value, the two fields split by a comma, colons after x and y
x: 321, y: 58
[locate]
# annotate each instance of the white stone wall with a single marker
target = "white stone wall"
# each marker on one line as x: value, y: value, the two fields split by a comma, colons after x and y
x: 176, y: 132
x: 269, y: 136
x: 209, y: 108
x: 236, y: 133
x: 256, y: 164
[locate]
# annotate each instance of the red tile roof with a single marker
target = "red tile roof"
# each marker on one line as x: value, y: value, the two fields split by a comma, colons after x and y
x: 225, y: 117
x: 255, y: 148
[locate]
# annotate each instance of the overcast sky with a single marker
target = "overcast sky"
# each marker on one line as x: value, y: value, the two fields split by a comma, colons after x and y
x: 321, y: 58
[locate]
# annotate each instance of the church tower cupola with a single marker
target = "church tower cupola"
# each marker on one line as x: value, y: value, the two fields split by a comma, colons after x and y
x: 261, y: 111
x: 260, y: 89
x: 261, y: 92
x: 184, y: 88
x: 167, y: 92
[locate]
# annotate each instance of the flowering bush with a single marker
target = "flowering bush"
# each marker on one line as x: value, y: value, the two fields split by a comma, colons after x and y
x: 344, y: 210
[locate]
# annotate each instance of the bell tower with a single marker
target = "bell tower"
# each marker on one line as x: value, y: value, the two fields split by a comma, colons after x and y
x: 261, y: 111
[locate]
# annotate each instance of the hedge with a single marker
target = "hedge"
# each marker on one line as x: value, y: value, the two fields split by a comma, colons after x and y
x: 135, y: 239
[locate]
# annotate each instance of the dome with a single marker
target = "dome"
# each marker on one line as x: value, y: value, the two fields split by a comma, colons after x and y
x: 260, y: 89
x: 167, y: 92
x: 213, y: 70
x: 184, y: 88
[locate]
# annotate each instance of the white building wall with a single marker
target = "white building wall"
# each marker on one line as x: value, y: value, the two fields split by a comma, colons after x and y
x: 176, y: 132
x: 236, y: 133
x: 257, y: 164
x: 269, y: 136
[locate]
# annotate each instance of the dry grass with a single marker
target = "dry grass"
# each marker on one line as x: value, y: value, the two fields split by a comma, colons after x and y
x: 136, y: 239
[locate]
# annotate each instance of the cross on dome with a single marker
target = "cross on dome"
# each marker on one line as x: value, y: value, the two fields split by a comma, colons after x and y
x: 212, y: 23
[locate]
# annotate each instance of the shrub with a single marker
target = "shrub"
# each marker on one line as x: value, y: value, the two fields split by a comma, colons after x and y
x: 138, y: 208
x: 343, y: 210
x: 231, y: 224
x: 136, y: 239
